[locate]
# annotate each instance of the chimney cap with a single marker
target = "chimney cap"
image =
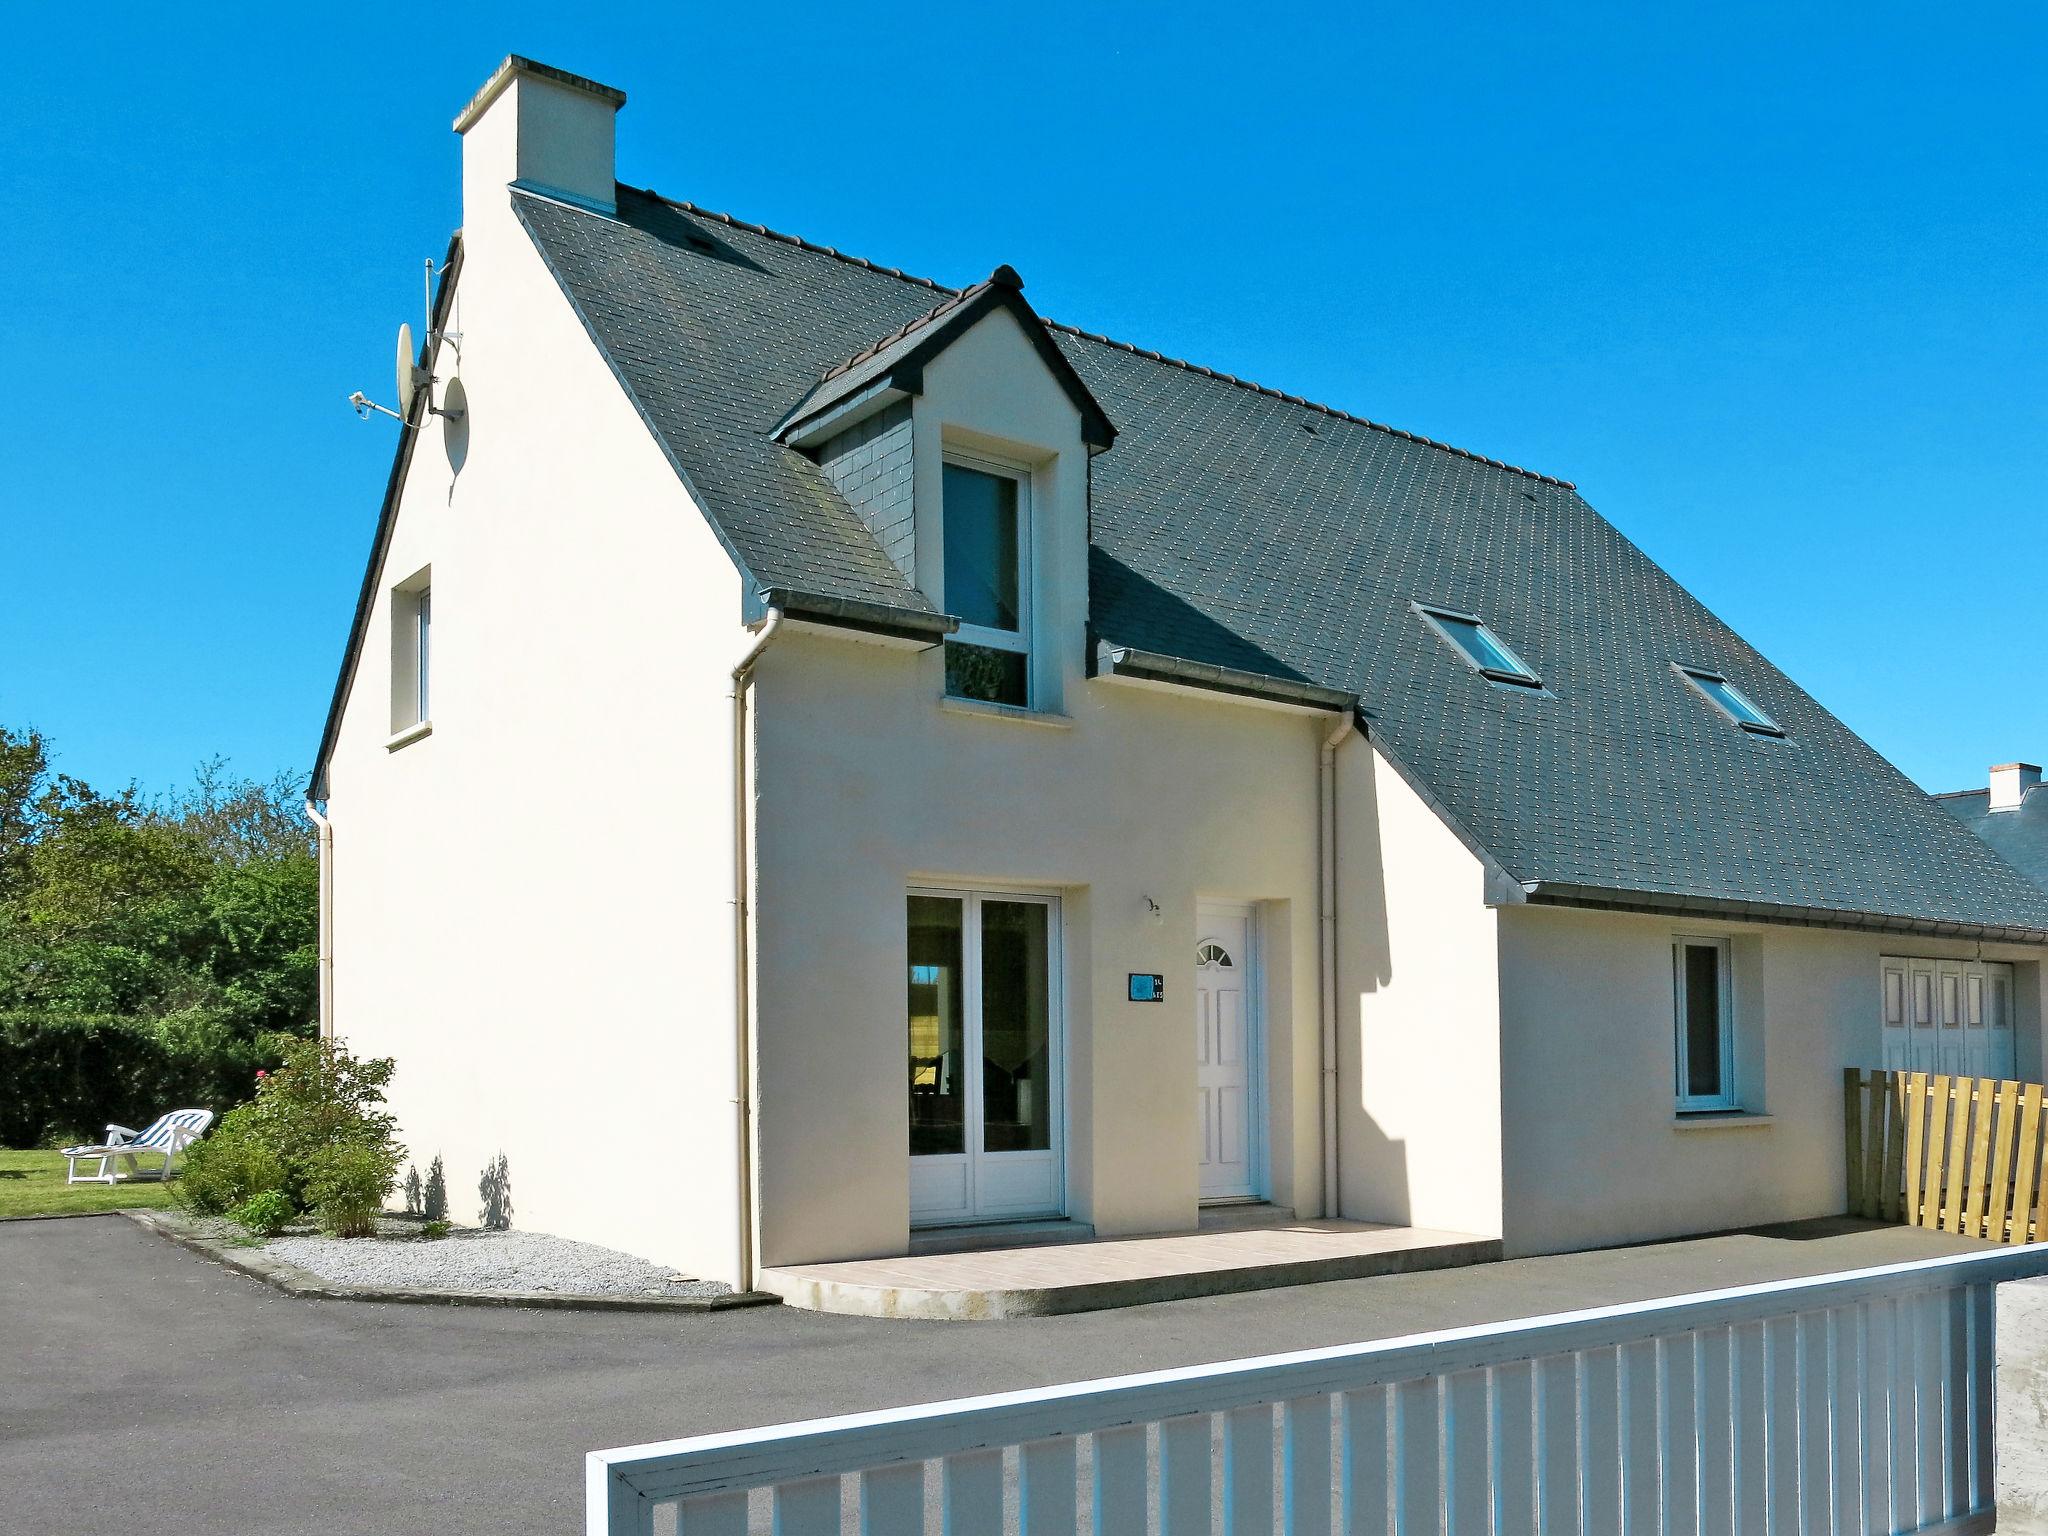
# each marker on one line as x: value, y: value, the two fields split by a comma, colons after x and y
x: 2015, y: 767
x: 518, y: 64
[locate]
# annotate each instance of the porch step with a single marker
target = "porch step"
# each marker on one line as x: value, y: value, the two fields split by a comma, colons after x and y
x: 1038, y: 1280
x: 1002, y: 1234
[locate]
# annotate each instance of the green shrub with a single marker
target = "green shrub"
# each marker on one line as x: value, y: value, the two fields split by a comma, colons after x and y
x: 346, y: 1185
x: 320, y: 1099
x: 230, y: 1167
x: 434, y: 1229
x: 266, y: 1214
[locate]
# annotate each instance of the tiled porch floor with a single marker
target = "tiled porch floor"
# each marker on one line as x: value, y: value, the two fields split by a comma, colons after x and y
x: 1121, y: 1272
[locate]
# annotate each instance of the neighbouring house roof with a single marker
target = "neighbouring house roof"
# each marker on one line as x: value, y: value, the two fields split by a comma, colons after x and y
x: 2020, y: 835
x: 1251, y: 534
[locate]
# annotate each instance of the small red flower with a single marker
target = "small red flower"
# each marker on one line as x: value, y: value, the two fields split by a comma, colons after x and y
x: 262, y: 1074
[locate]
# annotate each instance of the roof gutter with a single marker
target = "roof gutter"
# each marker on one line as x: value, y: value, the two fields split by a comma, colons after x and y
x: 1153, y: 667
x: 853, y: 613
x: 1555, y: 893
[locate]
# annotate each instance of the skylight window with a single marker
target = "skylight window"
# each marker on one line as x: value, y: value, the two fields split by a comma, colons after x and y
x: 1732, y: 701
x: 1484, y: 651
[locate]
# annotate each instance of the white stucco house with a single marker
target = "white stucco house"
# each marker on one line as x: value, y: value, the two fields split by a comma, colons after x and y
x: 822, y: 755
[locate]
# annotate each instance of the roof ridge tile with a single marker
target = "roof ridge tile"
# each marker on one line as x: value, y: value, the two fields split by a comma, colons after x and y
x: 908, y: 327
x: 1096, y: 336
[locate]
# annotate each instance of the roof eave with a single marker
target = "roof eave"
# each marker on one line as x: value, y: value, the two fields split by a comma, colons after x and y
x: 810, y: 424
x: 1557, y: 893
x: 1115, y: 660
x: 853, y: 613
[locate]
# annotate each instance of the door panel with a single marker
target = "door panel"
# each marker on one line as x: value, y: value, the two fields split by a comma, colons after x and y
x: 1897, y: 1053
x: 1226, y: 1053
x: 1998, y: 1036
x: 1951, y: 1016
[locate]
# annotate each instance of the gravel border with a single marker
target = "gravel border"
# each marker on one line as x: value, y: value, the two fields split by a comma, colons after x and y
x: 478, y: 1259
x: 209, y: 1240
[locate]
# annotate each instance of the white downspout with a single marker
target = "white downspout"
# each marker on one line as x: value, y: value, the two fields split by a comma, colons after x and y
x: 743, y: 1024
x: 324, y: 838
x: 1326, y: 800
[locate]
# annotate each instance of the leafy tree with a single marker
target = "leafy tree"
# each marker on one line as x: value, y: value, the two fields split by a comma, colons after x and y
x: 196, y: 912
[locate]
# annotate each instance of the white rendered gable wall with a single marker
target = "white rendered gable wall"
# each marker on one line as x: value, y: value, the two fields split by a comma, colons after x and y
x: 530, y: 904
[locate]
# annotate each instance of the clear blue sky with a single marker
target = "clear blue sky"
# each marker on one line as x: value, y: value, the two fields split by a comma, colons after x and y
x: 1767, y: 281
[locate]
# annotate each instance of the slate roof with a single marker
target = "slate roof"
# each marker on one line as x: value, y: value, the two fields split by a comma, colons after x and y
x: 898, y: 359
x: 1244, y: 529
x: 2020, y: 835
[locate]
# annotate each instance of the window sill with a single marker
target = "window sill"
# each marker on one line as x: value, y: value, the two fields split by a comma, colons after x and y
x: 1720, y: 1120
x: 409, y: 735
x: 986, y: 711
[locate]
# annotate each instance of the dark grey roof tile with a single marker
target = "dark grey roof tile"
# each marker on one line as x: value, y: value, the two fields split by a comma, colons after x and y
x: 1242, y: 528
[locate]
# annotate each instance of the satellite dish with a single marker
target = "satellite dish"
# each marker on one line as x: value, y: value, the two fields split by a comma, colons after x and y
x: 407, y: 382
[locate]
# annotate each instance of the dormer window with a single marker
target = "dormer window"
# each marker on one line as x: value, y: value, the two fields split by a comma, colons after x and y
x: 987, y: 515
x: 1480, y: 648
x: 1731, y: 701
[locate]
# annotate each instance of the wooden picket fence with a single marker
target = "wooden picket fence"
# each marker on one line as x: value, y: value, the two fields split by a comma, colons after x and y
x: 1954, y: 1154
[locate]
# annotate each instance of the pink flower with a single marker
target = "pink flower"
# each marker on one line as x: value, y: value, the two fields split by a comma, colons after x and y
x: 261, y: 1074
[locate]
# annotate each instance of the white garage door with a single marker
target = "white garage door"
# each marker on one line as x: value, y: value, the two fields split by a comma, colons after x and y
x: 1948, y: 1016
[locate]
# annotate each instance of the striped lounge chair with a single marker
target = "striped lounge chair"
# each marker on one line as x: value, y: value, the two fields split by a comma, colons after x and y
x: 166, y: 1136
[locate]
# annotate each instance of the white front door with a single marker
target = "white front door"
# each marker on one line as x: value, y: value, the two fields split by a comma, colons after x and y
x: 984, y: 1059
x: 1226, y: 1052
x: 1952, y: 1016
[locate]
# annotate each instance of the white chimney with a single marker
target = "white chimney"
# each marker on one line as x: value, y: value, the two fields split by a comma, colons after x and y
x: 542, y: 128
x: 2010, y: 783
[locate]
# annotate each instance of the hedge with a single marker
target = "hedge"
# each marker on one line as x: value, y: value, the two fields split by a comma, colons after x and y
x: 66, y: 1076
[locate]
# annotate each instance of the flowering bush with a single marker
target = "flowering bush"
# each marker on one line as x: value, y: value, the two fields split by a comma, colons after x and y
x: 316, y: 1137
x: 321, y: 1098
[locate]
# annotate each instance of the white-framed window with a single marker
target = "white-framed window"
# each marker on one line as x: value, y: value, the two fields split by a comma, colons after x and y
x: 412, y: 652
x: 987, y: 521
x: 1479, y: 647
x: 1731, y: 701
x: 985, y: 1074
x: 1703, y: 992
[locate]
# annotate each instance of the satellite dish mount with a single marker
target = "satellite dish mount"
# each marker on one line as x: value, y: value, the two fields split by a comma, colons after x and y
x: 411, y: 379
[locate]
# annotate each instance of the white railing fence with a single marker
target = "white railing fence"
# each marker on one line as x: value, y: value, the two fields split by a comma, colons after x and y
x: 1854, y: 1404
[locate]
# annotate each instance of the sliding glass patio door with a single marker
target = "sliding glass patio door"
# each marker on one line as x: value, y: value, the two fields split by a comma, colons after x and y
x: 984, y: 1056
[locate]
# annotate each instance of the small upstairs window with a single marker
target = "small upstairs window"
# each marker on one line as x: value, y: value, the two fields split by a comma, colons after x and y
x: 412, y: 654
x: 1731, y: 701
x: 987, y: 512
x: 1480, y: 648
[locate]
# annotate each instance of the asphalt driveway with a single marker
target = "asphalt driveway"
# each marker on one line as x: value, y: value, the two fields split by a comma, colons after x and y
x: 145, y: 1388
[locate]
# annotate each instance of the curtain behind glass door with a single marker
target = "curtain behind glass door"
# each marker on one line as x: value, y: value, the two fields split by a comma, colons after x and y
x: 1016, y: 1015
x: 938, y: 1027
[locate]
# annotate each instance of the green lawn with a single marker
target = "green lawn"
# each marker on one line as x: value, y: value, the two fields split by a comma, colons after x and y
x: 32, y: 1184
